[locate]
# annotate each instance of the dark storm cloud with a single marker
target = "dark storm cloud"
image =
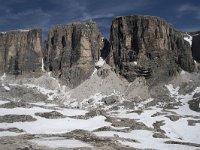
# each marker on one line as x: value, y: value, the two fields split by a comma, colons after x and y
x: 44, y: 14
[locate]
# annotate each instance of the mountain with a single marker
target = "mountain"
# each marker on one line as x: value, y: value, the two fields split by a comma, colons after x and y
x: 138, y: 90
x: 71, y: 51
x: 146, y: 46
x: 21, y: 51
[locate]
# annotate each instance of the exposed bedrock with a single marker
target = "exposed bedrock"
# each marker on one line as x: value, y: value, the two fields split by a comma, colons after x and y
x: 196, y: 45
x: 20, y: 51
x: 71, y: 51
x: 149, y: 47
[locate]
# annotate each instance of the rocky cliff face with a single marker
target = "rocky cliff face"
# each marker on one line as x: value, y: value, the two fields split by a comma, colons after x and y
x: 20, y: 51
x: 71, y: 51
x: 149, y: 47
x: 196, y: 45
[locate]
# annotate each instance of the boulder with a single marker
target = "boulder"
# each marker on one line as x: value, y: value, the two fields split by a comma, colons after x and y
x: 196, y: 95
x: 110, y: 100
x: 147, y: 46
x: 50, y: 115
x: 195, y: 104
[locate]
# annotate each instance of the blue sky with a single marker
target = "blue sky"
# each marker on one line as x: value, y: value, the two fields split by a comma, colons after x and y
x: 19, y: 14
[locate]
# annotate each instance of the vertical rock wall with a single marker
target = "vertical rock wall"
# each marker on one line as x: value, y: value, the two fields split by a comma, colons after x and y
x: 148, y: 46
x: 20, y: 51
x: 71, y: 51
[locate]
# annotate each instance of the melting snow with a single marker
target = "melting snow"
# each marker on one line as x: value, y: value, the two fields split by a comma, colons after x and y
x: 8, y: 133
x: 188, y: 38
x: 3, y: 102
x: 94, y: 72
x: 50, y: 93
x: 45, y: 126
x: 144, y: 138
x: 58, y: 142
x: 182, y: 72
x: 173, y: 91
x: 176, y: 130
x: 3, y: 77
x: 33, y: 110
x: 42, y: 67
x: 6, y: 87
x: 53, y: 126
x: 100, y: 63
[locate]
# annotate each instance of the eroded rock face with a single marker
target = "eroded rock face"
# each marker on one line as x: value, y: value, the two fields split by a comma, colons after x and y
x: 196, y: 45
x: 149, y: 47
x: 72, y: 50
x: 20, y: 51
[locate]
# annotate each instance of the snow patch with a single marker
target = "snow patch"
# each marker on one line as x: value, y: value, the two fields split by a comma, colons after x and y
x: 33, y: 110
x: 182, y: 72
x: 50, y: 93
x: 180, y: 130
x: 51, y: 126
x: 44, y: 104
x: 100, y: 63
x: 5, y: 87
x: 95, y: 101
x: 42, y: 67
x: 58, y: 142
x: 49, y: 86
x: 3, y: 77
x: 56, y: 126
x: 145, y: 140
x: 188, y: 38
x: 94, y: 72
x: 8, y: 133
x: 173, y: 91
x: 3, y: 102
x: 184, y: 109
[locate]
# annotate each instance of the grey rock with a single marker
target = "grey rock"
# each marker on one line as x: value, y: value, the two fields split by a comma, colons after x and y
x: 187, y: 87
x: 158, y: 114
x: 128, y: 104
x: 193, y: 122
x: 125, y: 122
x: 194, y: 104
x: 157, y: 126
x: 110, y: 100
x: 149, y: 47
x: 196, y: 45
x: 159, y: 135
x: 16, y: 130
x: 21, y: 51
x: 71, y: 51
x: 22, y: 94
x: 14, y: 105
x: 183, y: 143
x: 103, y: 73
x: 106, y: 50
x: 16, y: 118
x: 196, y: 95
x: 173, y: 117
x: 50, y: 115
